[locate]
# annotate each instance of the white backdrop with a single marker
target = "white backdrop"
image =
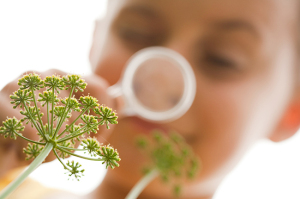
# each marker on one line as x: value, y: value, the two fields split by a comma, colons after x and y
x: 39, y: 35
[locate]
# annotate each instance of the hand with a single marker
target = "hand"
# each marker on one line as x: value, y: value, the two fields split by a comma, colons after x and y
x: 96, y: 88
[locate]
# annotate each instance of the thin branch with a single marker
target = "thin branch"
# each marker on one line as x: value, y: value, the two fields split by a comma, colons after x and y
x: 74, y: 121
x: 72, y: 149
x: 64, y: 114
x: 48, y: 119
x: 79, y: 156
x: 33, y: 122
x: 74, y: 133
x: 52, y: 109
x: 29, y: 140
x: 65, y: 167
x: 36, y: 107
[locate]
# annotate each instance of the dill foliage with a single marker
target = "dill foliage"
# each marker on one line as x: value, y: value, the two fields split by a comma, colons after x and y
x: 171, y: 156
x: 54, y: 132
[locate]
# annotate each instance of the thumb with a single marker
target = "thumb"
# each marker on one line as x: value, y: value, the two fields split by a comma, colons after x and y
x: 97, y: 87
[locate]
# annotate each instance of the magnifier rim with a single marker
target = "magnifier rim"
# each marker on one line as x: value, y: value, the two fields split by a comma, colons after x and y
x: 188, y: 77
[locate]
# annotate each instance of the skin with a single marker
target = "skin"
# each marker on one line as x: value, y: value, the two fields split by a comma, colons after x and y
x: 243, y: 54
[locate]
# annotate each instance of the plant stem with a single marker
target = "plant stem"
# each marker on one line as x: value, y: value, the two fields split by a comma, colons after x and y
x: 34, y: 123
x: 29, y: 140
x: 65, y: 167
x: 65, y: 114
x: 48, y: 119
x: 52, y: 109
x: 73, y: 122
x: 72, y: 134
x: 79, y: 156
x: 140, y: 185
x: 72, y: 149
x: 59, y: 123
x: 38, y: 114
x: 79, y: 134
x: 37, y: 161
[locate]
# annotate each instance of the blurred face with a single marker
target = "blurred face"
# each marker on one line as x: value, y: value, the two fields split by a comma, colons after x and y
x: 243, y: 56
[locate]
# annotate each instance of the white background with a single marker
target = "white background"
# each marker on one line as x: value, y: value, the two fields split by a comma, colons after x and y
x: 39, y: 35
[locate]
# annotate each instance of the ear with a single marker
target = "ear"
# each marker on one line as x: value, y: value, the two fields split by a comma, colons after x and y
x: 290, y: 122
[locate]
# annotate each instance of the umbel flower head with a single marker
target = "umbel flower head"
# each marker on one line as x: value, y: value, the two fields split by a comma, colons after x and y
x: 31, y: 82
x: 110, y: 156
x: 106, y: 115
x: 11, y: 127
x: 91, y: 145
x: 74, y: 170
x: 170, y: 156
x: 62, y: 138
x: 32, y: 151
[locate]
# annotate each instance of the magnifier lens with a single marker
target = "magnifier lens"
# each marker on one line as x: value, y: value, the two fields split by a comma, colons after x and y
x: 158, y: 84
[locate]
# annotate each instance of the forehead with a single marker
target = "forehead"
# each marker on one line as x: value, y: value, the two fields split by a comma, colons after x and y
x: 202, y: 7
x: 265, y: 13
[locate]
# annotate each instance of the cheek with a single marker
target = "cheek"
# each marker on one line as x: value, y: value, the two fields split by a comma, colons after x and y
x: 227, y: 118
x: 112, y: 60
x: 223, y: 113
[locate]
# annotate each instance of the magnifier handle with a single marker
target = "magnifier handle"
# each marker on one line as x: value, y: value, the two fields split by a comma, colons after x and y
x: 115, y: 91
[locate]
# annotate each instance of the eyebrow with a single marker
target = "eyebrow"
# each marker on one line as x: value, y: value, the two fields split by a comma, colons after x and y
x: 223, y: 25
x: 236, y: 25
x: 142, y: 10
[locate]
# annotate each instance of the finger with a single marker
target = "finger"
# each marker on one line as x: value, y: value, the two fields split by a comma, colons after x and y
x: 97, y: 87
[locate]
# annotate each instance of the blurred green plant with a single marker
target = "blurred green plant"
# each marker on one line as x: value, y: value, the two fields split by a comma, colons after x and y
x: 53, y: 135
x: 170, y: 158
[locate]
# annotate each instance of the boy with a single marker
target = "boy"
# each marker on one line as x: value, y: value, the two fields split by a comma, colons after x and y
x: 244, y: 55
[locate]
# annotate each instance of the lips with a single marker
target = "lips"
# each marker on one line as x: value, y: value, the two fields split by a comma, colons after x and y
x: 145, y: 127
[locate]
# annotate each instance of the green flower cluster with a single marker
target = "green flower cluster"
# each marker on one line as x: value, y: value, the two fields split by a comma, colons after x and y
x: 53, y: 132
x: 171, y: 157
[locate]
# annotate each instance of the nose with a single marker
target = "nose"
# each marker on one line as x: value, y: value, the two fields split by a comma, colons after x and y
x: 182, y: 42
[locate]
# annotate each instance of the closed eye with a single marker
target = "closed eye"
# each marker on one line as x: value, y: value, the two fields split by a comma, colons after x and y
x: 218, y: 60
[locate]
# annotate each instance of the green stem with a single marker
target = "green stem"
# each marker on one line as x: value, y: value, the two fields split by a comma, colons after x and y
x: 52, y: 109
x: 48, y: 119
x: 37, y: 162
x: 65, y: 167
x: 74, y: 133
x: 72, y: 149
x: 140, y: 185
x: 36, y: 107
x: 59, y: 124
x: 79, y: 156
x: 29, y: 140
x: 64, y: 114
x: 74, y: 121
x: 34, y: 123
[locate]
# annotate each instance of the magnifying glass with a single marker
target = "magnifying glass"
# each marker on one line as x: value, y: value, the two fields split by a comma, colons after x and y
x: 157, y: 84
